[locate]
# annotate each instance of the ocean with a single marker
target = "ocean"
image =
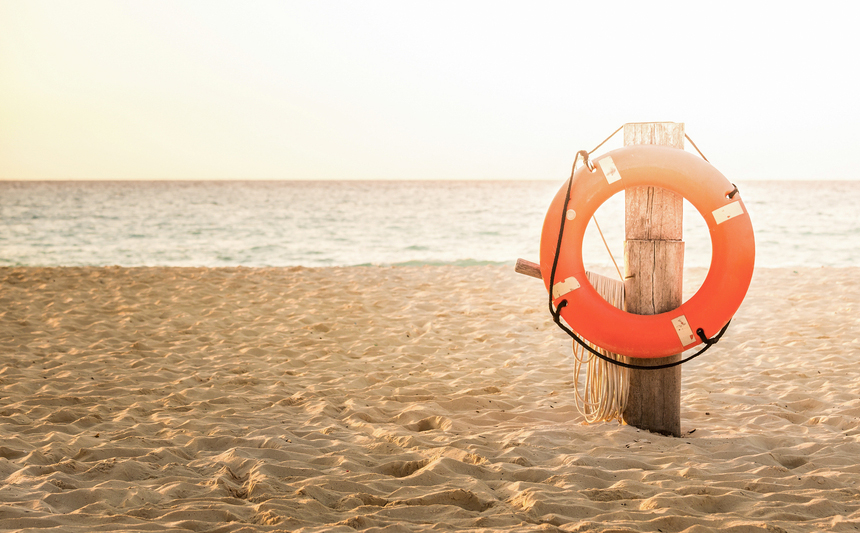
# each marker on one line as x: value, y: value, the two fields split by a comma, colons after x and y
x: 348, y: 223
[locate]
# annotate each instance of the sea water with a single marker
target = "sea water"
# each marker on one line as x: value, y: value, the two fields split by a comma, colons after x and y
x: 345, y: 223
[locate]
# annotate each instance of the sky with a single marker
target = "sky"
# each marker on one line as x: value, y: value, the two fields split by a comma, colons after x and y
x: 419, y: 90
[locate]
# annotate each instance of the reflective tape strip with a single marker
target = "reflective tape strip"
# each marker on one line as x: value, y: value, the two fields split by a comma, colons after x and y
x: 728, y: 211
x: 563, y: 287
x: 609, y: 170
x: 684, y: 331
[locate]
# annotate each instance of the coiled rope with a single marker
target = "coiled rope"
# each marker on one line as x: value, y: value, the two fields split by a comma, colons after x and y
x: 603, y: 396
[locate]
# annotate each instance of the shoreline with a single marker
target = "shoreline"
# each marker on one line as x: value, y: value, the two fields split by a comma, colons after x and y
x: 318, y: 398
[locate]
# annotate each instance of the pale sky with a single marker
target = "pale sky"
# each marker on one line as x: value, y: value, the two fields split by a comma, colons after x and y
x: 419, y: 90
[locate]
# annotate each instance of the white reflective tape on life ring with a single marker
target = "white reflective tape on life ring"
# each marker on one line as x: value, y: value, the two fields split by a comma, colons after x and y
x: 728, y: 212
x: 609, y: 169
x: 684, y: 331
x: 563, y: 287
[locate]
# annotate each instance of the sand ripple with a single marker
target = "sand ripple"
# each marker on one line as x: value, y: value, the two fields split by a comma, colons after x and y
x: 404, y: 399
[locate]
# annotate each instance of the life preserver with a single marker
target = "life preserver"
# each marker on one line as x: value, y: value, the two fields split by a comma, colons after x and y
x: 732, y: 251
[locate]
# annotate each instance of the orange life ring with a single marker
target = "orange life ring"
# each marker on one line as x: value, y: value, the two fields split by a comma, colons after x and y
x: 732, y: 251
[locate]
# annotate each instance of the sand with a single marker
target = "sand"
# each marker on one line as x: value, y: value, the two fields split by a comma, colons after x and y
x: 404, y: 399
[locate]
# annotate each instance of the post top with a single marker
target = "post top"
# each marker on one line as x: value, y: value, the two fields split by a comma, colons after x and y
x: 663, y: 133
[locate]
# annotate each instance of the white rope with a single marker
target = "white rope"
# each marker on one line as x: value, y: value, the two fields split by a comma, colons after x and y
x: 608, y: 250
x: 604, y: 393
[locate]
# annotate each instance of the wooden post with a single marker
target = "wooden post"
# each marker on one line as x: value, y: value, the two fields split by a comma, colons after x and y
x: 528, y: 268
x: 654, y: 265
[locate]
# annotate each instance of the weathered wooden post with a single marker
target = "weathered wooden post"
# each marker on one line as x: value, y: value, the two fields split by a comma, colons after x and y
x: 654, y: 266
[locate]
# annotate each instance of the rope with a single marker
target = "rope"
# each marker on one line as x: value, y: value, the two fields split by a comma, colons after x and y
x: 696, y: 147
x: 607, y: 139
x: 603, y: 396
x: 620, y: 276
x: 622, y: 127
x: 708, y: 343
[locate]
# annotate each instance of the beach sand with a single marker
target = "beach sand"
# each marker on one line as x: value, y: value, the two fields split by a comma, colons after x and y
x: 404, y: 399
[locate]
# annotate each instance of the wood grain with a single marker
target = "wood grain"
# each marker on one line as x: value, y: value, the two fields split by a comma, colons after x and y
x: 654, y: 263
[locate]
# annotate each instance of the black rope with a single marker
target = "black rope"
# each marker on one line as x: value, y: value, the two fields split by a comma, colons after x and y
x: 561, y: 231
x: 556, y: 313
